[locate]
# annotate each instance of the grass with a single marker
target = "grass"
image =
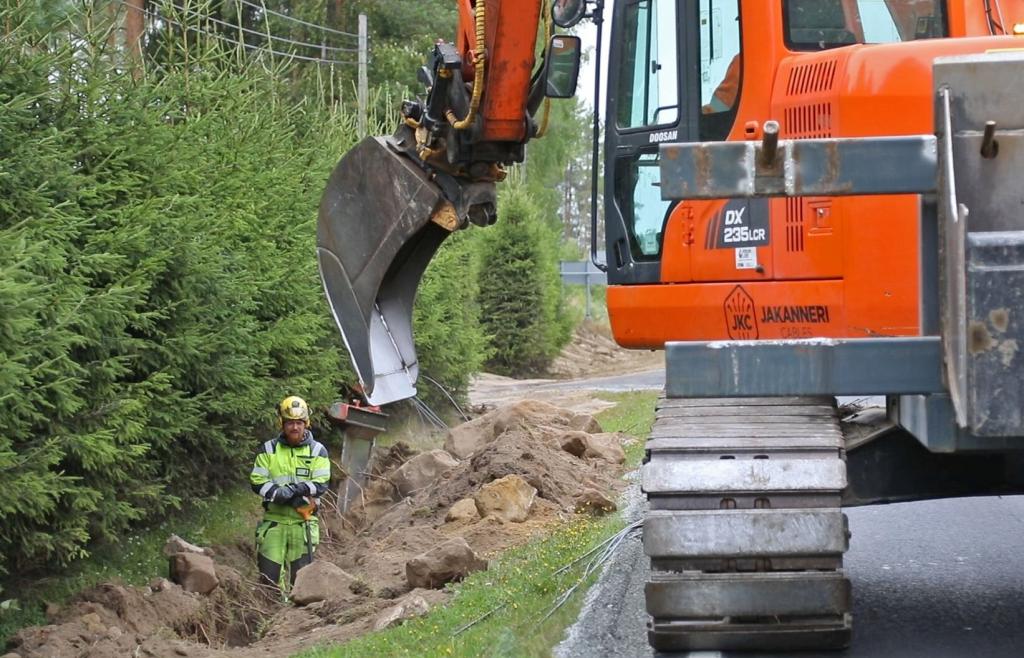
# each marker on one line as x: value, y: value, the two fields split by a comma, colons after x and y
x: 632, y: 414
x: 134, y: 560
x: 504, y: 611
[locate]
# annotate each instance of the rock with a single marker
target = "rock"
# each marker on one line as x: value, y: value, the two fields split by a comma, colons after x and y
x: 574, y: 443
x: 176, y: 544
x: 114, y: 632
x: 606, y: 446
x: 462, y: 510
x: 592, y: 501
x: 593, y: 446
x: 11, y: 655
x: 320, y: 581
x: 194, y: 572
x: 53, y: 610
x: 465, y: 439
x: 450, y: 561
x: 509, y: 499
x: 422, y: 470
x: 93, y: 623
x: 585, y: 423
x: 410, y: 606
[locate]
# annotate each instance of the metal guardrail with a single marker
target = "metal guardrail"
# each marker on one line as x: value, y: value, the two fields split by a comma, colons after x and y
x: 581, y: 272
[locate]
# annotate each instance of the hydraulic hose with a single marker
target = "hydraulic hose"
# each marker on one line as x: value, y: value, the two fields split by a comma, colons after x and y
x: 479, y: 59
x: 547, y: 40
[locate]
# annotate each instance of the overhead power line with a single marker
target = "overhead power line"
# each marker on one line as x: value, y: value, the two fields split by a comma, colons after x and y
x: 265, y: 35
x: 265, y: 48
x: 262, y: 7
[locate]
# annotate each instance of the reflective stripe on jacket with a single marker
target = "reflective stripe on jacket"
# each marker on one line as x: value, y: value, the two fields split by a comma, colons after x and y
x: 278, y: 464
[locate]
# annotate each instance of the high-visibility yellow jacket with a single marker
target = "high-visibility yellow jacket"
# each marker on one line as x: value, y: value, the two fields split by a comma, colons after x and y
x: 278, y: 464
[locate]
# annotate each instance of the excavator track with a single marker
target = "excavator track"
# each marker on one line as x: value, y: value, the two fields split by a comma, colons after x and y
x: 745, y: 533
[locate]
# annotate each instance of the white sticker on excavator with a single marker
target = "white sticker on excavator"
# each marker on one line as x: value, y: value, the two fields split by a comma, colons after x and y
x: 746, y: 258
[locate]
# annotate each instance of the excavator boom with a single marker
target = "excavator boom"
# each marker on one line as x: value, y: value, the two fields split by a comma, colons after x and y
x: 391, y: 201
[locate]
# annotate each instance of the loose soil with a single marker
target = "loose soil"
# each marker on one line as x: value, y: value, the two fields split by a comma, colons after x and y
x: 372, y: 542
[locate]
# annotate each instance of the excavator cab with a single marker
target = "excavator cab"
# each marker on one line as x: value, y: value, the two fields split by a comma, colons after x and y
x: 391, y: 201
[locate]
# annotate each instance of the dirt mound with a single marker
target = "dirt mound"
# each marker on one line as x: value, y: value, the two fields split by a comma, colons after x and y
x: 372, y: 544
x: 111, y: 621
x: 593, y: 352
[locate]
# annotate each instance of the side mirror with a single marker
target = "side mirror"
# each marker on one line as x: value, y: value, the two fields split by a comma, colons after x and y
x: 563, y: 66
x: 567, y: 13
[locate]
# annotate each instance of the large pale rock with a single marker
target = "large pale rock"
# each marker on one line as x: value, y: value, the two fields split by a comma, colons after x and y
x: 176, y: 544
x: 422, y: 470
x: 410, y: 606
x: 585, y: 423
x: 320, y: 581
x: 509, y: 499
x: 450, y: 561
x: 194, y: 572
x: 592, y: 501
x: 604, y: 446
x: 465, y: 439
x: 462, y: 510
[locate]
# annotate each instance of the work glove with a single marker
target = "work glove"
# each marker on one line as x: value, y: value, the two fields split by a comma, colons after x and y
x: 283, y: 494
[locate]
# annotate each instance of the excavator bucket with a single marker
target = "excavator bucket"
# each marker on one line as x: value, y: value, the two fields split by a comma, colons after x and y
x: 381, y: 220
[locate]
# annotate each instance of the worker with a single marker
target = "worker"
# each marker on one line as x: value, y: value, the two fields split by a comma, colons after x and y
x: 291, y: 472
x: 724, y: 97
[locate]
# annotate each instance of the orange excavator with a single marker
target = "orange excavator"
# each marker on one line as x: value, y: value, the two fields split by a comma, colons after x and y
x: 804, y: 199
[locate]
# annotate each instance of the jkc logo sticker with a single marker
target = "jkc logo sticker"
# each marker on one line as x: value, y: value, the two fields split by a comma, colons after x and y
x: 740, y: 315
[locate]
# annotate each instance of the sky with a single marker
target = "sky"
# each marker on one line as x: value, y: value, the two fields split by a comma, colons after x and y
x: 587, y: 32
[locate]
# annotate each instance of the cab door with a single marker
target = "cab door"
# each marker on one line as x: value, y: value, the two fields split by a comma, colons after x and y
x: 651, y: 42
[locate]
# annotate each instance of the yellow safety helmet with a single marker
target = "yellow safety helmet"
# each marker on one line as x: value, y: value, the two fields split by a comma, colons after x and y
x: 292, y: 408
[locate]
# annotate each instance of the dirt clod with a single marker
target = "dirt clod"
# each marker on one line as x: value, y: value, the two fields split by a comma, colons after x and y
x: 194, y: 572
x: 453, y: 560
x: 462, y: 510
x: 592, y: 501
x: 508, y: 499
x: 321, y: 581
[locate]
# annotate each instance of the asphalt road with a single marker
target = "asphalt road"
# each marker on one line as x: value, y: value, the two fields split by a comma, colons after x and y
x: 933, y: 578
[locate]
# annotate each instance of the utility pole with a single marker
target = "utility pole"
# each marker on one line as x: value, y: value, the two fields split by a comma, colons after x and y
x: 362, y: 91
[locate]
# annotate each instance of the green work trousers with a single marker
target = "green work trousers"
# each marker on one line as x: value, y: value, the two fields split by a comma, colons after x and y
x: 282, y: 544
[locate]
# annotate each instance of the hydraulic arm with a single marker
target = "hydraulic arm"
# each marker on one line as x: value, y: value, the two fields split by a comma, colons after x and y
x: 391, y: 201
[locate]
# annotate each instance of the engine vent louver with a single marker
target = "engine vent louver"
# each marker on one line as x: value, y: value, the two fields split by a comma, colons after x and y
x: 807, y: 114
x: 811, y: 78
x: 795, y: 224
x: 809, y: 121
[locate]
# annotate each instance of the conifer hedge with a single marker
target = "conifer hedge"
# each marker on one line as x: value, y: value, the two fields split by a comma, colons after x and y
x: 158, y: 284
x: 520, y: 295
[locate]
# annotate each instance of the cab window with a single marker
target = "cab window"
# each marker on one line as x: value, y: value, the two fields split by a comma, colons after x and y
x: 638, y: 195
x: 824, y: 24
x: 648, y: 89
x: 721, y: 67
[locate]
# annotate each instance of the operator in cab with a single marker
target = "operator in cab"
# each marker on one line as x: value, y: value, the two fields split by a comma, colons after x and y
x: 290, y: 473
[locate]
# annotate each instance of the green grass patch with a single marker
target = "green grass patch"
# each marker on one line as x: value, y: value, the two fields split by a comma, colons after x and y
x: 134, y: 560
x: 499, y: 612
x: 632, y: 414
x: 504, y: 610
